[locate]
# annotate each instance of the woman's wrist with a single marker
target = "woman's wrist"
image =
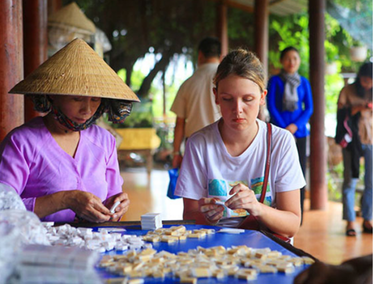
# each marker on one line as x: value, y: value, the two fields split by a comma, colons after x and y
x: 210, y: 222
x: 176, y: 153
x: 65, y: 199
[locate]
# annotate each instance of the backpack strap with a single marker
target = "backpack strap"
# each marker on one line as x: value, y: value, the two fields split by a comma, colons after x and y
x: 268, y: 162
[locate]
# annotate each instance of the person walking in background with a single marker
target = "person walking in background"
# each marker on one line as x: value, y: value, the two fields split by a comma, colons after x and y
x: 355, y: 112
x: 194, y: 104
x: 290, y: 105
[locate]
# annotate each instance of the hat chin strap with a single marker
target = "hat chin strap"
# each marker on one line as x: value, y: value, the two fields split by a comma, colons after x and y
x: 72, y: 125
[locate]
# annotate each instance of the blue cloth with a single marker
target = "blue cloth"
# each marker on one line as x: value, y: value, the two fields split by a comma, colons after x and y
x: 349, y: 185
x: 249, y: 238
x: 300, y: 116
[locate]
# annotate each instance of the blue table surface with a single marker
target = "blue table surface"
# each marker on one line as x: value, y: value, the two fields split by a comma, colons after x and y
x: 249, y: 238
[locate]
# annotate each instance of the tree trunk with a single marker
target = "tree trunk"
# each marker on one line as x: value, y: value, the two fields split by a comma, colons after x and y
x: 147, y: 82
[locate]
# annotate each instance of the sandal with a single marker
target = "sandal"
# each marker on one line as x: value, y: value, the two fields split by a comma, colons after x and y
x: 368, y: 230
x: 351, y: 233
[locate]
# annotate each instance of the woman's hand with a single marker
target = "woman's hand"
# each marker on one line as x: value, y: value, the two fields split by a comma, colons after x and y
x: 292, y: 128
x: 87, y: 206
x: 177, y: 160
x: 211, y: 211
x: 243, y: 198
x: 121, y: 208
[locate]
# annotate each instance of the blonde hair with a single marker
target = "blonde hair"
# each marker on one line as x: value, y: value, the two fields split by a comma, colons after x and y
x: 242, y: 63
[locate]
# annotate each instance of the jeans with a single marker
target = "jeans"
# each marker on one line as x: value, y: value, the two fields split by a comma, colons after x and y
x: 302, y: 147
x: 349, y: 185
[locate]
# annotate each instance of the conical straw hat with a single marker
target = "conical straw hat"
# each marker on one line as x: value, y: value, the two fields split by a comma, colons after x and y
x: 75, y: 70
x: 71, y: 16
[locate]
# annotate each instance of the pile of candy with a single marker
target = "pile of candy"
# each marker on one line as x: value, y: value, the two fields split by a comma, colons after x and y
x: 217, y: 262
x: 105, y: 239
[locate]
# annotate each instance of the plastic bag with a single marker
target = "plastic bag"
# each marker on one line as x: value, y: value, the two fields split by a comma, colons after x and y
x: 17, y: 228
x: 9, y: 199
x: 174, y: 174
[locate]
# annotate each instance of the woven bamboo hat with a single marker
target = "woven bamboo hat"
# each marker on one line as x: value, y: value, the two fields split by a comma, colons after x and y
x: 75, y: 70
x: 71, y: 16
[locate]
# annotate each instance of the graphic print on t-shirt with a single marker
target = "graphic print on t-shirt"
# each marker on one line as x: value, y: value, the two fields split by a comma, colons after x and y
x: 220, y: 189
x: 256, y: 186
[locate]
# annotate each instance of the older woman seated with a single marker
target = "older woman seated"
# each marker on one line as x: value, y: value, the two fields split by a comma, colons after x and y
x: 61, y: 164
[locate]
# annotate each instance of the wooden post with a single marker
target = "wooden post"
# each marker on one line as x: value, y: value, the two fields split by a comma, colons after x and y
x: 222, y: 27
x: 261, y: 41
x: 54, y: 6
x: 319, y: 193
x: 35, y: 40
x: 261, y: 32
x: 11, y: 62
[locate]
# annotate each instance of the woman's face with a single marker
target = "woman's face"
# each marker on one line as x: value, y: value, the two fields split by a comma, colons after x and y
x: 77, y: 108
x: 366, y: 82
x: 239, y: 99
x: 290, y: 62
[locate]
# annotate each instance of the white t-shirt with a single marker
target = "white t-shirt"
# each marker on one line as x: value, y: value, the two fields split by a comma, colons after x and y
x: 208, y: 170
x: 195, y: 99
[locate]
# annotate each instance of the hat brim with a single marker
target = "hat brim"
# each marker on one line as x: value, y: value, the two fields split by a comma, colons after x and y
x: 75, y: 70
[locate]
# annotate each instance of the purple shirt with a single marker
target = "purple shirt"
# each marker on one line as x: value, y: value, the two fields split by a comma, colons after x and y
x: 34, y: 164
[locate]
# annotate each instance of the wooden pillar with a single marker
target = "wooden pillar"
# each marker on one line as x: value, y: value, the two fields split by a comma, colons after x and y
x: 222, y: 27
x: 261, y: 12
x: 11, y: 62
x: 261, y: 32
x: 54, y: 6
x: 35, y: 40
x: 318, y: 168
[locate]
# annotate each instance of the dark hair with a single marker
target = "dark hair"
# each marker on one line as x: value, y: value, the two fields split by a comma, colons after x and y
x: 242, y: 63
x: 286, y: 50
x: 210, y: 47
x: 364, y: 71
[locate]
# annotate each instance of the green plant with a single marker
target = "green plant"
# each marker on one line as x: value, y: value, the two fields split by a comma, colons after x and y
x: 331, y: 51
x: 293, y: 31
x: 334, y: 178
x: 333, y: 85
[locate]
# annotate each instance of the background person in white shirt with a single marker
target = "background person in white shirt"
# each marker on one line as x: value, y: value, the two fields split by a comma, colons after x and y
x: 226, y: 160
x: 194, y: 104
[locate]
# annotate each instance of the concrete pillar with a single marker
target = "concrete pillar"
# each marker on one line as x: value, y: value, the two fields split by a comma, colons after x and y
x: 318, y: 157
x: 35, y: 20
x: 11, y: 62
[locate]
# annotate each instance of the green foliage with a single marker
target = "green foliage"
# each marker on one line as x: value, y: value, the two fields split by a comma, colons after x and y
x: 240, y: 29
x: 334, y: 178
x: 331, y: 51
x: 289, y: 31
x: 174, y: 27
x: 141, y: 116
x: 333, y: 85
x: 158, y: 101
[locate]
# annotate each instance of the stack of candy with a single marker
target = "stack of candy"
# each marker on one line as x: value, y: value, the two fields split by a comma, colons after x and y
x: 47, y: 264
x: 106, y: 239
x: 151, y: 221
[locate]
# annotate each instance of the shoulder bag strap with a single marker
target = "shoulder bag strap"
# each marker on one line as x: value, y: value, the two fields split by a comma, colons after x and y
x: 266, y: 173
x: 268, y: 162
